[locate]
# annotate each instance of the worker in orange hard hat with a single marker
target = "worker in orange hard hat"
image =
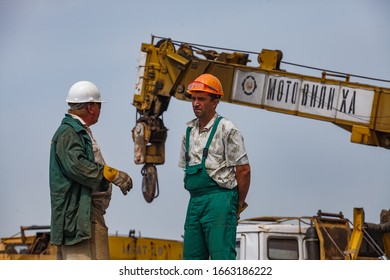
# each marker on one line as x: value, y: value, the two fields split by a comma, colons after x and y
x: 217, y: 175
x: 206, y: 83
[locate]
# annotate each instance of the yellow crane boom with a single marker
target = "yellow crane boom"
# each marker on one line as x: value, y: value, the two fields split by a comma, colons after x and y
x: 167, y: 67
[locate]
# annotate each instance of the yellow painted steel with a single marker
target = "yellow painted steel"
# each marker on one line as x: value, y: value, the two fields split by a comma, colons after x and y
x: 121, y: 248
x: 142, y: 248
x: 355, y: 242
x: 165, y: 73
x: 333, y: 235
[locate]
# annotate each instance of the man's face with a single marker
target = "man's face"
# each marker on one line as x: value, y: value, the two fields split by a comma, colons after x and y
x: 203, y: 105
x: 94, y: 109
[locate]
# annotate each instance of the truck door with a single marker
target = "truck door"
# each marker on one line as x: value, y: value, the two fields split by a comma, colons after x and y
x: 247, y: 246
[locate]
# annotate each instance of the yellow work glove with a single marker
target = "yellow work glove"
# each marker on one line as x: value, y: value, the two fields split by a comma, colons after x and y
x: 119, y: 178
x: 241, y: 208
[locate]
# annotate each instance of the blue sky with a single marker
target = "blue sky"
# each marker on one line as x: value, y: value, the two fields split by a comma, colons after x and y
x: 299, y: 165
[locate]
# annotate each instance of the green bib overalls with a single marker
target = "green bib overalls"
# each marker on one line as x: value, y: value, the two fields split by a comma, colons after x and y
x: 210, y: 226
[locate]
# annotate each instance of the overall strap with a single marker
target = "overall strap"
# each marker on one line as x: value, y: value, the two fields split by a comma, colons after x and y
x: 206, y: 148
x: 213, y: 130
x: 188, y: 144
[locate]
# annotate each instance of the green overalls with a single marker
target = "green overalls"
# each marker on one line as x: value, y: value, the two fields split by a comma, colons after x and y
x: 210, y: 226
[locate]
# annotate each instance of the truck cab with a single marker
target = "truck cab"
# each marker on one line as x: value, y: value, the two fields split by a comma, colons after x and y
x: 325, y: 236
x: 271, y: 238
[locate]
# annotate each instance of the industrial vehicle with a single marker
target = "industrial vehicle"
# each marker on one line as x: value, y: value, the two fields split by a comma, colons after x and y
x: 167, y: 66
x: 325, y: 236
x: 131, y: 247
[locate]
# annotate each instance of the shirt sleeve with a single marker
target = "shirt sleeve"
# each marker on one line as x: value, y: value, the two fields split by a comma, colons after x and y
x: 235, y: 149
x: 75, y: 163
x: 182, y: 159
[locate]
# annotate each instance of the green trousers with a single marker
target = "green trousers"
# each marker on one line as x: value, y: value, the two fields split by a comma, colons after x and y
x: 210, y: 226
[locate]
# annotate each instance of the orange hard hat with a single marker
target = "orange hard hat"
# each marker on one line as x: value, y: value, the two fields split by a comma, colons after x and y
x: 206, y: 83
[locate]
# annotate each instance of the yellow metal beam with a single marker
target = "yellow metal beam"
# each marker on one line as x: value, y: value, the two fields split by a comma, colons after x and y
x: 352, y: 250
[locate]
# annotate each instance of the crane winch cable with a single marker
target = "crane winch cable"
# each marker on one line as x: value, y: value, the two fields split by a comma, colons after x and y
x: 199, y: 46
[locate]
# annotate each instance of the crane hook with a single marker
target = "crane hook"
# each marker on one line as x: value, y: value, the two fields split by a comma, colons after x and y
x: 150, y: 187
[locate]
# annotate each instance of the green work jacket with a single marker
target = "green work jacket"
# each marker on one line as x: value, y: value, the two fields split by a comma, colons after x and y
x: 73, y: 175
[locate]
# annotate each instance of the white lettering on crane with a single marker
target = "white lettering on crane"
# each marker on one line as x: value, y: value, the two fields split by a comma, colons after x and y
x: 330, y: 100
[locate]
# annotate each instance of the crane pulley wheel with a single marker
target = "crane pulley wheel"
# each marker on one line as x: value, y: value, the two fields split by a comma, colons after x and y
x: 150, y: 188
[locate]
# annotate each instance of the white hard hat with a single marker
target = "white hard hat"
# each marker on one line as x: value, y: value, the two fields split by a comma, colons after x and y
x: 83, y: 92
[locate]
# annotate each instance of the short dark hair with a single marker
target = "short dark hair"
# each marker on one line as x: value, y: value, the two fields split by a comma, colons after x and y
x: 215, y: 96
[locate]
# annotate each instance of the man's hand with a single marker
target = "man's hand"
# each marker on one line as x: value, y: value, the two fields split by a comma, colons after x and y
x: 124, y: 182
x: 119, y: 178
x: 241, y: 208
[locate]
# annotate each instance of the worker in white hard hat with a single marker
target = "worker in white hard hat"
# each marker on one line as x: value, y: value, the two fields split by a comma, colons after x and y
x: 80, y: 180
x: 217, y: 176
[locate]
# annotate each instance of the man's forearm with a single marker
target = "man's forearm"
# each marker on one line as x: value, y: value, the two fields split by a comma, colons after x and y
x: 243, y: 177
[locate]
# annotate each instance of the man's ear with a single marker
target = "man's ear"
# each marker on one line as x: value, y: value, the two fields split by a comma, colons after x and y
x: 89, y: 109
x: 216, y: 101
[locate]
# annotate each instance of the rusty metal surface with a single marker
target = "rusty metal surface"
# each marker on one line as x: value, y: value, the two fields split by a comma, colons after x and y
x: 334, y: 235
x: 335, y: 241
